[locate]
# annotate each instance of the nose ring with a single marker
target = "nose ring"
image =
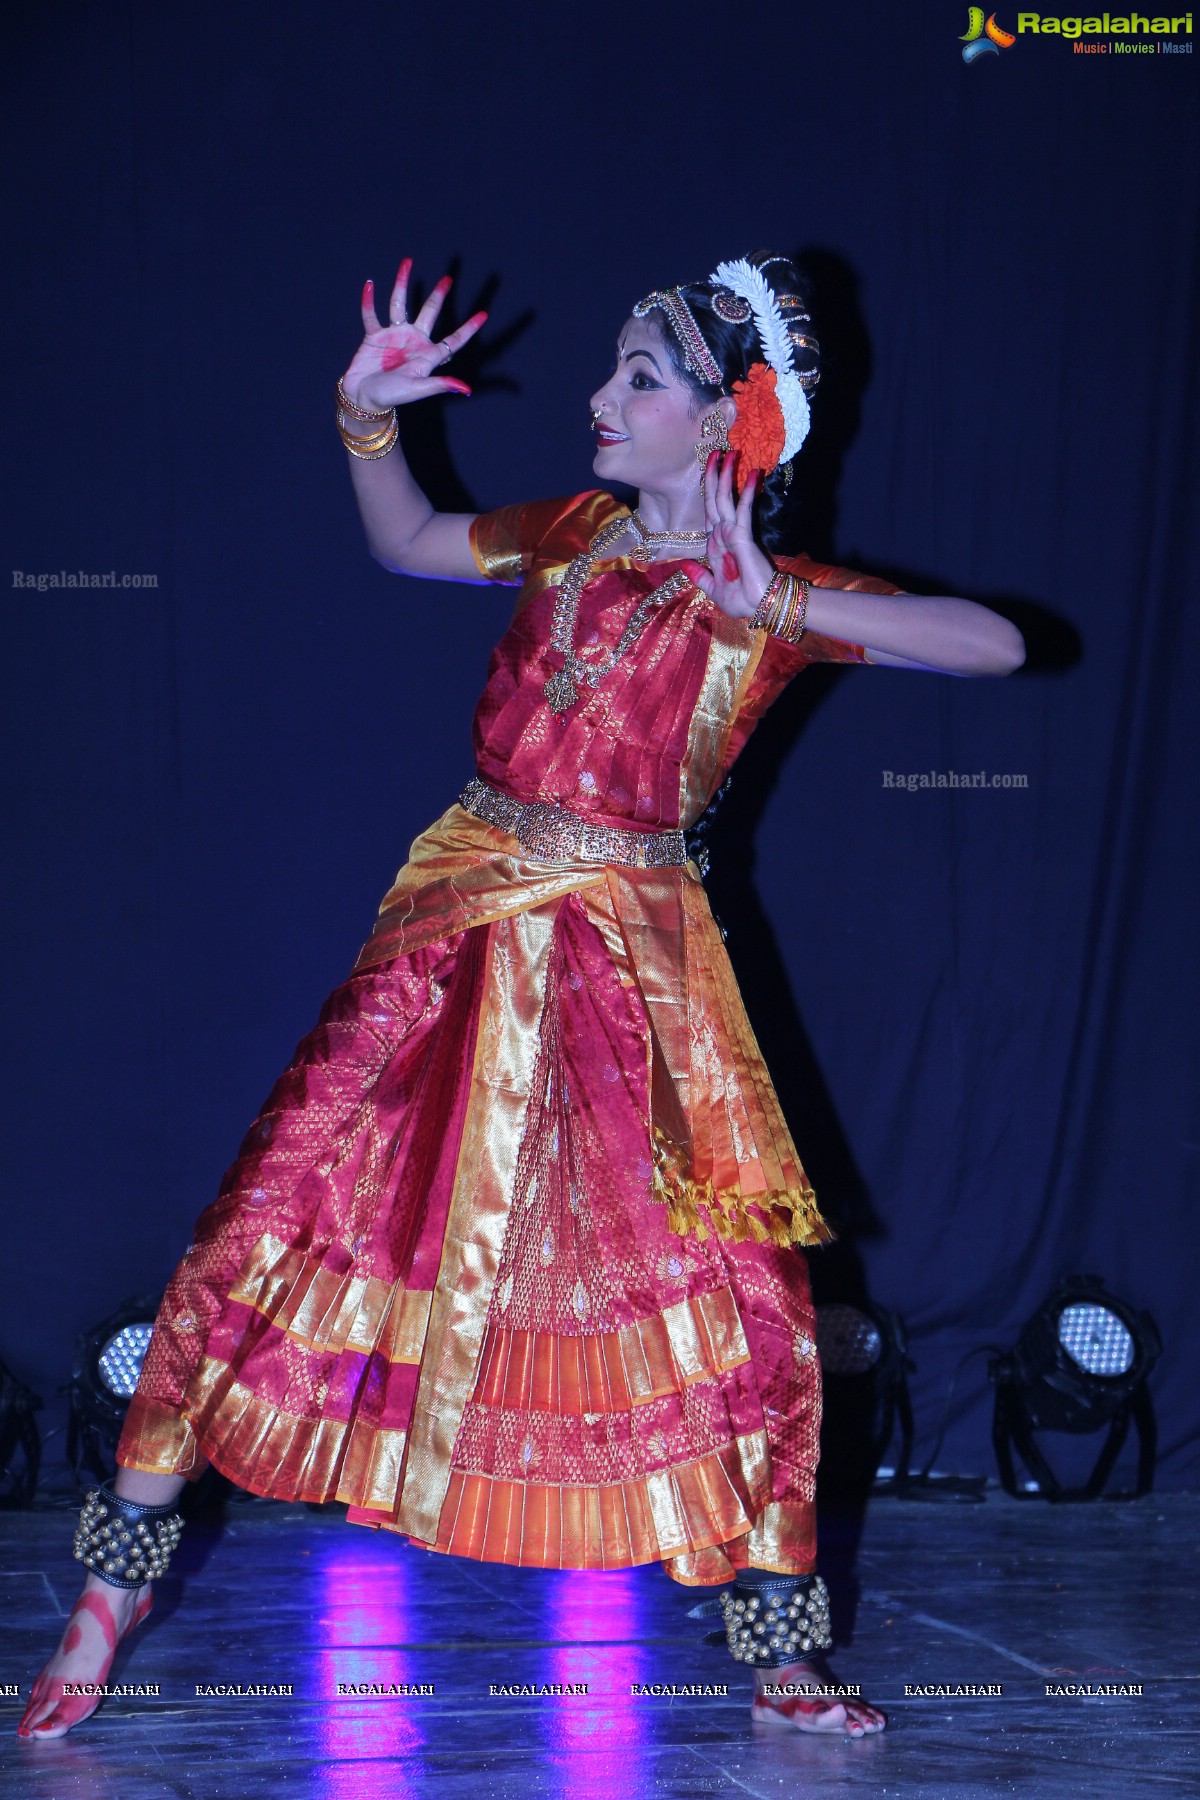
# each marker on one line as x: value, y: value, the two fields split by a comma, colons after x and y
x: 596, y: 411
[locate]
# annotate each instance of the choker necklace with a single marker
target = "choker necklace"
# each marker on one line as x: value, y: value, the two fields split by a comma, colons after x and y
x: 562, y: 688
x: 658, y: 540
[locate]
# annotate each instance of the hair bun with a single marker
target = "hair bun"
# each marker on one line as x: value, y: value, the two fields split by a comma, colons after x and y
x: 792, y: 293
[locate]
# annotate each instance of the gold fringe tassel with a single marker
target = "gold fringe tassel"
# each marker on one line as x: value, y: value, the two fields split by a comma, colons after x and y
x: 697, y: 1209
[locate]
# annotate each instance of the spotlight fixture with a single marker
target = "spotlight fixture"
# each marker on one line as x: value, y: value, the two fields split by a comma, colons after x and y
x: 20, y: 1441
x: 108, y: 1361
x: 1080, y: 1363
x: 864, y: 1364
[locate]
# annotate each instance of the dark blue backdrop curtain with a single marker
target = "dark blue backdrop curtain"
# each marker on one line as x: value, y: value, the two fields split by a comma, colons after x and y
x: 979, y: 1004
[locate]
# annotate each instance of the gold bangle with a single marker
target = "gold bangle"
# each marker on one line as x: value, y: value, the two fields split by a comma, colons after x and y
x: 783, y: 608
x: 375, y: 432
x: 787, y: 611
x: 362, y: 413
x: 766, y: 605
x: 368, y: 440
x: 373, y: 455
x: 801, y: 627
x: 777, y: 623
x: 370, y: 449
x: 377, y: 446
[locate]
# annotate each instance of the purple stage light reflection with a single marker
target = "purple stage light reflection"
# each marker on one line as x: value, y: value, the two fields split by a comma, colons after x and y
x: 359, y: 1633
x: 595, y: 1621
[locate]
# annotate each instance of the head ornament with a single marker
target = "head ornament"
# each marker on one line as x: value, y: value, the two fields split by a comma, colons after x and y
x: 731, y: 307
x: 750, y: 285
x: 696, y: 354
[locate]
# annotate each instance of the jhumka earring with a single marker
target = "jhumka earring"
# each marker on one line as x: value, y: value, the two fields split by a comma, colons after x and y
x: 714, y: 435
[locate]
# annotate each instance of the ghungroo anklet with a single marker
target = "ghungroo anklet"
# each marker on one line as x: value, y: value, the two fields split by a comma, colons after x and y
x: 771, y: 1620
x: 122, y: 1542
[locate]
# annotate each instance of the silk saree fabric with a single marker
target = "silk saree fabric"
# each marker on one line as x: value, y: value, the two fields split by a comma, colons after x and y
x: 508, y: 1260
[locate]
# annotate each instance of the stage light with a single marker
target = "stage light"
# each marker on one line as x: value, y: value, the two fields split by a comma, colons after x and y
x: 849, y: 1340
x: 120, y: 1361
x: 1080, y: 1364
x: 20, y: 1441
x: 1096, y: 1339
x: 864, y: 1363
x: 108, y: 1361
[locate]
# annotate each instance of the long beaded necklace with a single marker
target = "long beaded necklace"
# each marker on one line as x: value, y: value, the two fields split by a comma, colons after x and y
x: 562, y: 688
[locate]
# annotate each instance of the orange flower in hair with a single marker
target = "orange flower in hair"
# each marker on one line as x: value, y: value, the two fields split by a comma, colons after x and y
x: 758, y: 432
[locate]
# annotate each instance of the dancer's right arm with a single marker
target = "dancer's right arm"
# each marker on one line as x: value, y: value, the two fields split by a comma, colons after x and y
x: 394, y: 365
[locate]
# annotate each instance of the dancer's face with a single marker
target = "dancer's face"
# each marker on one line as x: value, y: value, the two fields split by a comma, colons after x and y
x: 649, y: 421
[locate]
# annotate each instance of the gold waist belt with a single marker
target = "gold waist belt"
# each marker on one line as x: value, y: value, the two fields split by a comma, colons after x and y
x: 550, y: 833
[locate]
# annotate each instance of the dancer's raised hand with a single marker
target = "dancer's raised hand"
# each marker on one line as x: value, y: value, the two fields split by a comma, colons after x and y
x: 398, y: 362
x: 739, y: 570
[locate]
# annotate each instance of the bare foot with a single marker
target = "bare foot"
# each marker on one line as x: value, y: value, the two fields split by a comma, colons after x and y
x: 810, y: 1712
x: 103, y: 1615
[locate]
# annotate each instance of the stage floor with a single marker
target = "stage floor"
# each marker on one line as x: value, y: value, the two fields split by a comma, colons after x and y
x: 1016, y: 1594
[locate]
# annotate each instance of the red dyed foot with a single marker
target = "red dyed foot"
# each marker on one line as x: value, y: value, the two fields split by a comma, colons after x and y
x: 775, y: 1705
x: 103, y: 1616
x: 854, y: 1717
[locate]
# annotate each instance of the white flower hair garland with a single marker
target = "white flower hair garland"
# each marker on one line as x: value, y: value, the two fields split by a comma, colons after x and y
x: 753, y: 287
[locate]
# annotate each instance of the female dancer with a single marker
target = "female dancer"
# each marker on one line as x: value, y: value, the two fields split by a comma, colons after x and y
x: 507, y: 1261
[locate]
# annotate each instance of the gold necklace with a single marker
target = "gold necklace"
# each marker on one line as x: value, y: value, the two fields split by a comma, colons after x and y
x: 658, y: 540
x: 562, y: 688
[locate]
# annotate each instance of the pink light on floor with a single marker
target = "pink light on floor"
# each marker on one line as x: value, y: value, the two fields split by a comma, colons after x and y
x: 594, y: 1623
x: 360, y: 1633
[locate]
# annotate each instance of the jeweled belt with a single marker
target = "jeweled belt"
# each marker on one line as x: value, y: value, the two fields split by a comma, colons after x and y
x: 550, y: 833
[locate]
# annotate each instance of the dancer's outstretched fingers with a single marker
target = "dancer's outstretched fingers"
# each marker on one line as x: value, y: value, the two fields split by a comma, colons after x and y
x: 398, y: 305
x: 744, y: 511
x: 711, y: 511
x: 427, y: 317
x: 457, y: 339
x: 370, y: 317
x: 420, y: 387
x: 725, y: 500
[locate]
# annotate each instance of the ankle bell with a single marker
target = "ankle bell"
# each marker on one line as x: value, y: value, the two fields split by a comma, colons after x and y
x: 122, y: 1542
x: 771, y: 1621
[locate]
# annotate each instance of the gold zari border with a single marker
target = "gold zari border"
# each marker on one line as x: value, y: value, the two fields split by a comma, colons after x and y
x: 693, y: 1340
x: 252, y: 1441
x: 667, y: 1513
x: 326, y: 1311
x: 501, y: 1080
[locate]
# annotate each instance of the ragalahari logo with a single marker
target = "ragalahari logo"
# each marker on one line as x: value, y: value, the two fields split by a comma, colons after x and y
x: 984, y: 38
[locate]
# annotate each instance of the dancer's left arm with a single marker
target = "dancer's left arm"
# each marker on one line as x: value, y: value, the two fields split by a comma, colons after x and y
x: 909, y: 631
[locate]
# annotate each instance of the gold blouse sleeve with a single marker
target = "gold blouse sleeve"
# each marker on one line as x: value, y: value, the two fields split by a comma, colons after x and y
x: 498, y: 544
x: 508, y: 543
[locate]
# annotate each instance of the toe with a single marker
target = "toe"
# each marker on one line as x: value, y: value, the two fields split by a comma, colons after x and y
x: 42, y: 1701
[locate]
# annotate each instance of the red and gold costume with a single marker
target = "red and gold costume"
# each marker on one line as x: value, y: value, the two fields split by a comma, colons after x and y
x: 507, y: 1261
